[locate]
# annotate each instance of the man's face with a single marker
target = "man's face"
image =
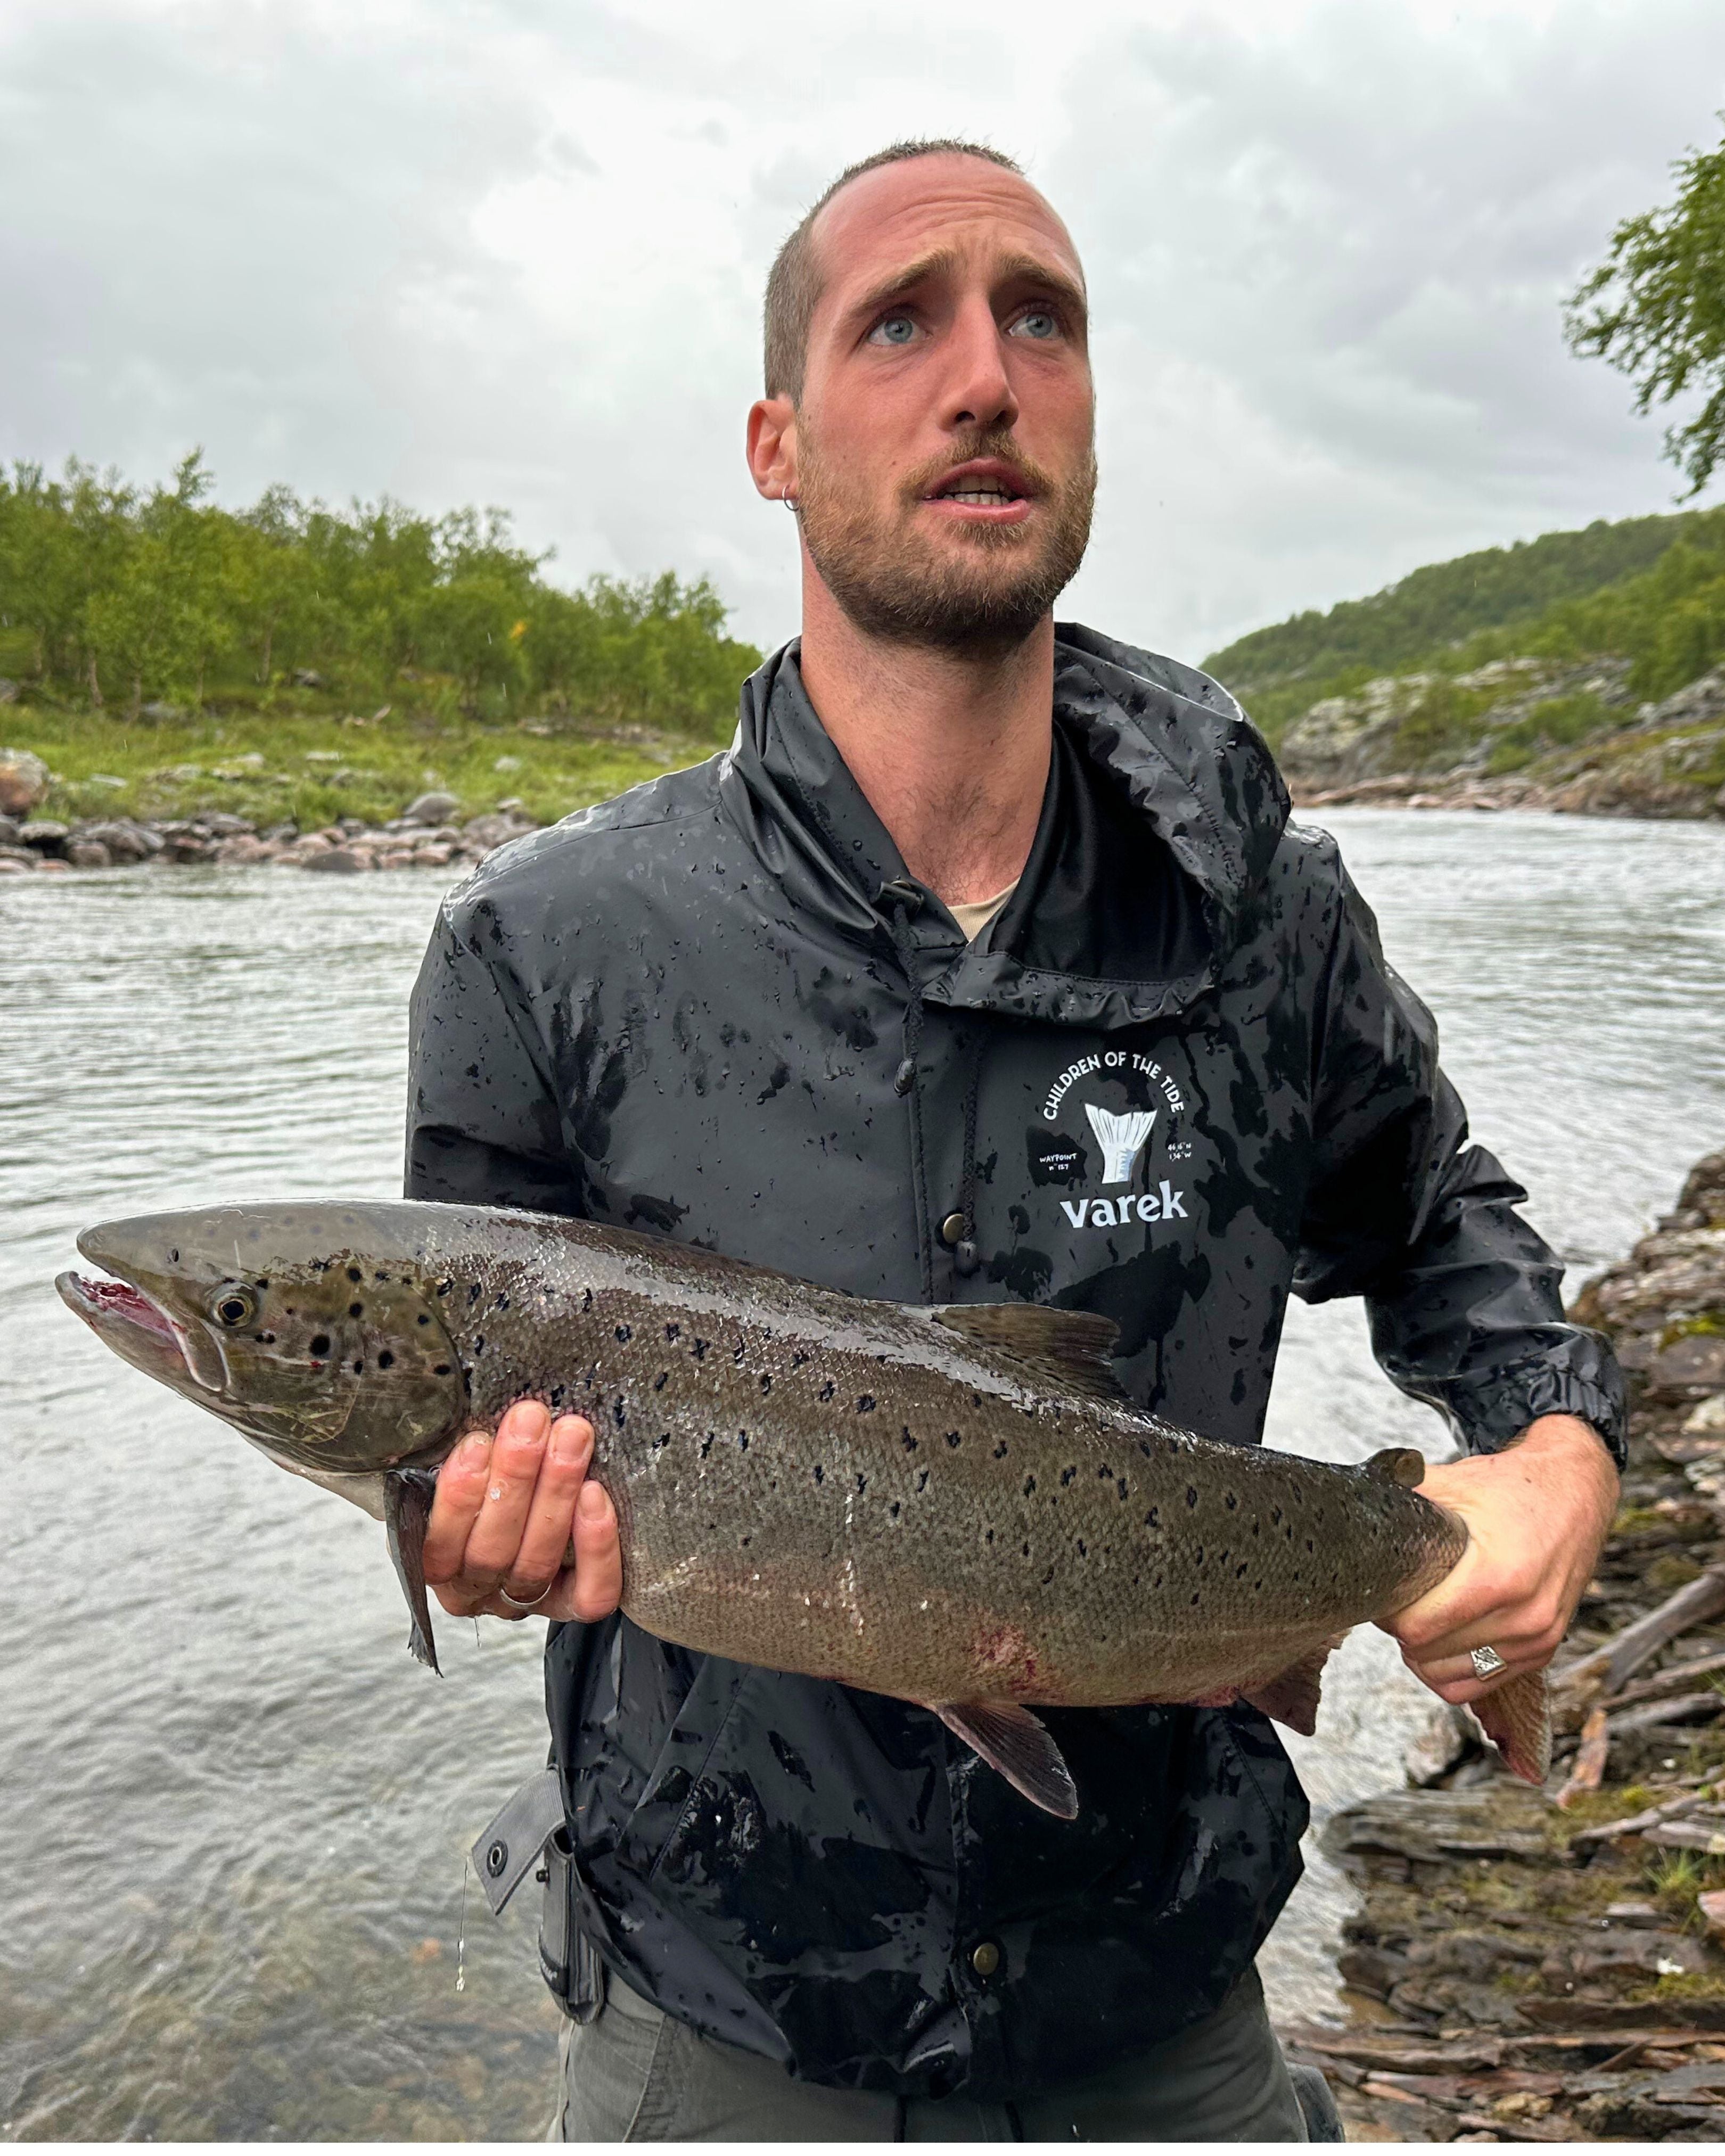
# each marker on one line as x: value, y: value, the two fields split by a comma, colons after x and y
x: 944, y: 461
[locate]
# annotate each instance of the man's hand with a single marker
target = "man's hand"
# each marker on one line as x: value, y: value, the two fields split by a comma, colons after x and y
x: 505, y: 1514
x: 1537, y: 1515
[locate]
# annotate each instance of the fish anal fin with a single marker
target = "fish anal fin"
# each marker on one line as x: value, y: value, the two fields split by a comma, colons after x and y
x: 1066, y: 1351
x: 1398, y: 1463
x: 1292, y: 1697
x: 408, y: 1492
x: 1015, y: 1744
x: 1516, y: 1716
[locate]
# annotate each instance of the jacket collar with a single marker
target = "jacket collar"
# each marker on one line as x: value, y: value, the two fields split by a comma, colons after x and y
x: 1153, y: 762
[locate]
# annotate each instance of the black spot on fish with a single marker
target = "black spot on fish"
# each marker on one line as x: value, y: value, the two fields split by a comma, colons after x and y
x: 386, y: 1361
x: 659, y: 1383
x: 1310, y: 1547
x: 1191, y: 1498
x: 319, y: 1343
x: 742, y: 1440
x: 1083, y: 1547
x: 699, y: 1349
x: 173, y: 1257
x: 862, y: 1484
x: 355, y: 1274
x: 672, y: 1330
x: 907, y: 1440
x: 357, y: 1368
x: 619, y: 1413
x: 708, y: 1442
x: 989, y: 1535
x: 865, y: 1404
x: 440, y: 1370
x: 624, y: 1332
x: 738, y: 1352
x: 1231, y: 1502
x: 821, y: 1473
x: 473, y: 1294
x: 1067, y: 1474
x: 1120, y: 1485
x: 1029, y: 1484
x: 557, y: 1396
x: 799, y: 1358
x: 1195, y: 1602
x: 955, y: 1438
x: 1153, y: 1518
x: 922, y: 1480
x: 356, y: 1310
x: 422, y: 1319
x: 827, y: 1390
x: 1000, y: 1450
x: 893, y: 1509
x: 261, y: 1285
x: 1197, y: 1557
x: 1241, y: 1570
x: 660, y: 1442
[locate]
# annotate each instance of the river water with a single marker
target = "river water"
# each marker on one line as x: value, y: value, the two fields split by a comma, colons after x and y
x: 234, y: 1811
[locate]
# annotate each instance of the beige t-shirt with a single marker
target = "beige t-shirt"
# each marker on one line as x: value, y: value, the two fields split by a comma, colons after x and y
x: 975, y: 917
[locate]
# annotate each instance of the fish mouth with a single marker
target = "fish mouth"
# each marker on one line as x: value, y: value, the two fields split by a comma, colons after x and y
x: 138, y: 1329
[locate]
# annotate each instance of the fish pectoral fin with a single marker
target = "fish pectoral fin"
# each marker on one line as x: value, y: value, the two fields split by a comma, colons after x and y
x: 1516, y: 1716
x: 1015, y: 1744
x: 408, y: 1492
x: 1398, y: 1463
x: 1292, y: 1697
x: 1067, y: 1350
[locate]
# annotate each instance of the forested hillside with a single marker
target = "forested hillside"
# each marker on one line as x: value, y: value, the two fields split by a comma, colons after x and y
x: 1651, y: 588
x: 118, y: 598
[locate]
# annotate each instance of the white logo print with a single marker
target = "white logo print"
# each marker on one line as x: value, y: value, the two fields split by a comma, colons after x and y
x: 1122, y: 1138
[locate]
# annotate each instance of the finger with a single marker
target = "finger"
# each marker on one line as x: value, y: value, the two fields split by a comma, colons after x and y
x: 551, y: 1517
x: 460, y: 1491
x: 597, y: 1586
x: 495, y: 1535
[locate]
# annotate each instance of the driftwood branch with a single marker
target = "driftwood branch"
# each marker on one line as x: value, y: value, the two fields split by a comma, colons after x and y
x: 1608, y: 1668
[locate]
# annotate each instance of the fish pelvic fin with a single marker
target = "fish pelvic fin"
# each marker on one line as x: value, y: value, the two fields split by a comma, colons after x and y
x: 1292, y: 1697
x: 408, y: 1492
x: 1517, y: 1718
x: 1064, y: 1352
x: 1398, y: 1463
x: 1015, y: 1743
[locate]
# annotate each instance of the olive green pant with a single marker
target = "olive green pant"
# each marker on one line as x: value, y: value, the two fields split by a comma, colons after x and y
x: 635, y: 2074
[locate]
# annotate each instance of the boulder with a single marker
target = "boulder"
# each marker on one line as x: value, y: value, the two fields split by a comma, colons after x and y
x: 48, y: 837
x: 334, y: 860
x: 8, y: 830
x: 126, y: 842
x: 430, y: 808
x: 88, y: 854
x: 495, y: 830
x: 23, y: 781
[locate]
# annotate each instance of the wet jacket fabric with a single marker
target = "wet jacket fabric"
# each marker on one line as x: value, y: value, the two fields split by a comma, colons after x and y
x: 718, y: 1010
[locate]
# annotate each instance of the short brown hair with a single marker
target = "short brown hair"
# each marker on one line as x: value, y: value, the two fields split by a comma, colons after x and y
x: 793, y: 282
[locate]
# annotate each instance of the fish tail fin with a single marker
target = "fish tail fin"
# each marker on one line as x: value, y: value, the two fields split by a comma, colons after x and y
x: 407, y: 1493
x: 1517, y: 1718
x: 1293, y: 1695
x: 1015, y: 1744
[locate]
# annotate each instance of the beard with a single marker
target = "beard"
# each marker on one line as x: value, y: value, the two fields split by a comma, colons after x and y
x: 981, y: 594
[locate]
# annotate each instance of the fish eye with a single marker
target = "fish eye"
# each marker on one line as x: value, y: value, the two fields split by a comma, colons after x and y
x: 235, y: 1306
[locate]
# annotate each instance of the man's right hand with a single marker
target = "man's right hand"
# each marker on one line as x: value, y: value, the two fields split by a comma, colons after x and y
x: 507, y: 1509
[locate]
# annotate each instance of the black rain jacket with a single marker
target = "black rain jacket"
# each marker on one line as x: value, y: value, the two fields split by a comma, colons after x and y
x: 718, y: 1010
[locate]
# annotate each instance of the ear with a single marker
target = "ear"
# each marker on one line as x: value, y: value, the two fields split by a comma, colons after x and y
x: 772, y: 446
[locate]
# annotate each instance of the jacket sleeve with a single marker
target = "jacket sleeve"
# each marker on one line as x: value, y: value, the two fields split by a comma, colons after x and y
x: 1461, y: 1295
x: 483, y: 1123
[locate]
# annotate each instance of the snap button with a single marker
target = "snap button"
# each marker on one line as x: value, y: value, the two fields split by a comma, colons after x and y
x: 952, y: 1230
x: 496, y: 1857
x: 985, y: 1958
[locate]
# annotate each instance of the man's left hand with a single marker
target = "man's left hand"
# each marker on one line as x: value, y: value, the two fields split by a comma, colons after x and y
x: 1537, y: 1515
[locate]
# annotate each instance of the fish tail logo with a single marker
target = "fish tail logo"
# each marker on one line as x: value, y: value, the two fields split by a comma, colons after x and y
x: 1122, y: 1138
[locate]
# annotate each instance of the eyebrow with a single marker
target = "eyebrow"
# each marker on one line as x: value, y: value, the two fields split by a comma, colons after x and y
x: 1020, y: 269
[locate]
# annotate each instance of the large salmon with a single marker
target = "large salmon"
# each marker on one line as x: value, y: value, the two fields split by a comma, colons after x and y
x: 954, y: 1506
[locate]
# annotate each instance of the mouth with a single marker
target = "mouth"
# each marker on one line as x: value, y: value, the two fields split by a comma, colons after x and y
x: 136, y: 1328
x: 987, y: 490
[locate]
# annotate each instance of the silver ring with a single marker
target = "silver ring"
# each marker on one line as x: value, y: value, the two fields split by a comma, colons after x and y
x: 514, y: 1605
x: 1486, y: 1662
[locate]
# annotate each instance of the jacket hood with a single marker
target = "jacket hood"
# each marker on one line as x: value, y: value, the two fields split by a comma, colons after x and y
x: 1162, y: 814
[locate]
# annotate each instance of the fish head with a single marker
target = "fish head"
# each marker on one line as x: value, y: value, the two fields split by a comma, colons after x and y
x: 323, y: 1344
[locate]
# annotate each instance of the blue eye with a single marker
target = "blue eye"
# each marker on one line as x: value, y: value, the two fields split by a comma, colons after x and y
x: 1038, y: 323
x: 893, y: 329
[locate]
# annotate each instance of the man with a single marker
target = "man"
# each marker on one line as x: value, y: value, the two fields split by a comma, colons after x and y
x: 985, y: 964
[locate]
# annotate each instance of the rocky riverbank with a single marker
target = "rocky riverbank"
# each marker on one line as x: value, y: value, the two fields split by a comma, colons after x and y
x: 1551, y: 1967
x: 1520, y: 733
x: 430, y: 834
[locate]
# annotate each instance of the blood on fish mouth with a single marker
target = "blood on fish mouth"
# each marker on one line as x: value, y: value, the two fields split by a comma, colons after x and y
x: 118, y: 1299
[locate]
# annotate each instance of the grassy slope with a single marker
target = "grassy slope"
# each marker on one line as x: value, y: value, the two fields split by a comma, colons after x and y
x: 206, y: 760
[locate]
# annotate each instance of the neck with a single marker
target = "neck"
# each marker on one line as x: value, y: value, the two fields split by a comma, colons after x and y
x: 950, y: 751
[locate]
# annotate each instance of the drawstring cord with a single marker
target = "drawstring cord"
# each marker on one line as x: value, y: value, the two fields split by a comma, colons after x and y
x: 906, y: 899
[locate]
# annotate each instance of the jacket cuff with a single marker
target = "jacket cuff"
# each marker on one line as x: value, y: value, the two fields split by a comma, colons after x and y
x: 1580, y: 1377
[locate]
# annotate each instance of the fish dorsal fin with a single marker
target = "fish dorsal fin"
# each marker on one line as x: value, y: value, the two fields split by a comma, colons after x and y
x: 1060, y: 1351
x: 1398, y: 1463
x: 1015, y: 1745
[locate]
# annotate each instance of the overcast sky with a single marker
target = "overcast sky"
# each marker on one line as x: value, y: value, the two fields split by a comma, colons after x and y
x: 512, y: 252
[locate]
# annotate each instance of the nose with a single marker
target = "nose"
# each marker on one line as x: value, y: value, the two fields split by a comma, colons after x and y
x: 977, y: 391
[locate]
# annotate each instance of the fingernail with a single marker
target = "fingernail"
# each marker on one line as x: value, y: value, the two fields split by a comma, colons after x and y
x: 592, y: 1500
x: 476, y: 1447
x: 568, y: 1441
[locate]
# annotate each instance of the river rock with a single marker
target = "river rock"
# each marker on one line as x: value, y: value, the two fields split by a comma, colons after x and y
x: 47, y: 837
x: 127, y: 842
x: 88, y: 854
x: 430, y: 808
x: 495, y: 830
x: 334, y: 860
x: 23, y: 781
x: 8, y: 830
x: 1691, y: 1366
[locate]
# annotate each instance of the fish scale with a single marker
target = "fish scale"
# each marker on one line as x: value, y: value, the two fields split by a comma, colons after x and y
x: 954, y: 1506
